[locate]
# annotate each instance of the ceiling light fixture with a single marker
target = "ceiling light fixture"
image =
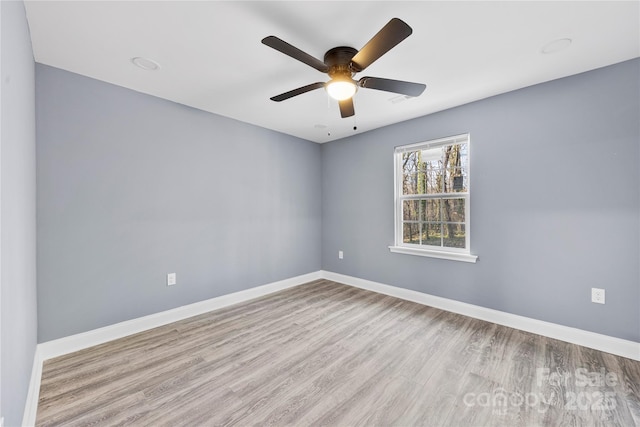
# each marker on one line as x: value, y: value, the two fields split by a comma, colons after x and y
x: 145, y: 63
x: 341, y: 88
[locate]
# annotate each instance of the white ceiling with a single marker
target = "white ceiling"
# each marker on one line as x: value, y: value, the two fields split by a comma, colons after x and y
x: 211, y: 57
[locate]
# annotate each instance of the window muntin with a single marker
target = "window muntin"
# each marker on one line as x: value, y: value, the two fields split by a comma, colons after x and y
x: 432, y: 195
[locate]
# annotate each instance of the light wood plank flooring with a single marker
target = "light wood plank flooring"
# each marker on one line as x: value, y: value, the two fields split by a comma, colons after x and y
x: 330, y: 354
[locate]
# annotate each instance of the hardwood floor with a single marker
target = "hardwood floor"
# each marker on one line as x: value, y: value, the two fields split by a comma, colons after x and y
x: 330, y: 354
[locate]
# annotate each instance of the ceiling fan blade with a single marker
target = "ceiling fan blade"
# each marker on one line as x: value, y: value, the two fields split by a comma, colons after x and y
x: 298, y: 91
x: 395, y: 86
x: 389, y: 36
x: 295, y: 53
x: 346, y: 108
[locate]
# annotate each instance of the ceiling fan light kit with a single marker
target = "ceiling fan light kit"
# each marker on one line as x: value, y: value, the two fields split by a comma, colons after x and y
x: 340, y: 88
x: 342, y: 63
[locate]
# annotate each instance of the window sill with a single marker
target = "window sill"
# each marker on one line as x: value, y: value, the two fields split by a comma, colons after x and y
x: 453, y: 256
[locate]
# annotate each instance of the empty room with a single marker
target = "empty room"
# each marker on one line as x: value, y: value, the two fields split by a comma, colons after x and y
x: 300, y: 213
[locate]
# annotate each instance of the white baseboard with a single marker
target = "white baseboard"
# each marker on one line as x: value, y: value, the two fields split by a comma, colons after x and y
x: 84, y: 340
x: 31, y: 405
x: 59, y: 347
x: 617, y: 346
x: 66, y: 345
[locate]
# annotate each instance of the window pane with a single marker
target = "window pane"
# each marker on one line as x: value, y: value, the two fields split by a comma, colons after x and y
x: 434, y: 177
x: 456, y: 180
x: 414, y: 183
x: 410, y: 210
x: 410, y: 183
x: 431, y: 234
x: 410, y: 162
x: 453, y: 210
x: 432, y: 213
x: 454, y: 236
x: 424, y: 210
x: 421, y: 186
x: 413, y: 173
x: 456, y: 176
x: 411, y: 233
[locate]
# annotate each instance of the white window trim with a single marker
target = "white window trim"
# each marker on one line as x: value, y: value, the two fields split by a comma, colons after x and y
x: 453, y: 254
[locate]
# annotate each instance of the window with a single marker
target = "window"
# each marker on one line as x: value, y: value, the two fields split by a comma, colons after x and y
x: 432, y: 199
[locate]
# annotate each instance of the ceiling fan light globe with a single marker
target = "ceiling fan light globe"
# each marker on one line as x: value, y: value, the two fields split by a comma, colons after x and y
x: 341, y: 89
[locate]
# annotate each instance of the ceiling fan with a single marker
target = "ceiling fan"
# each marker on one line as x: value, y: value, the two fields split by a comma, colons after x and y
x: 342, y: 63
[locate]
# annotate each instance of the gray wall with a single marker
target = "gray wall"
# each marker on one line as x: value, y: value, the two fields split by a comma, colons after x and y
x: 132, y: 187
x: 554, y: 205
x: 17, y: 212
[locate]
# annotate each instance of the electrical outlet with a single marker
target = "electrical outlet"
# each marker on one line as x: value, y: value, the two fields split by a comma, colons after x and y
x: 171, y: 279
x: 340, y: 255
x: 597, y: 295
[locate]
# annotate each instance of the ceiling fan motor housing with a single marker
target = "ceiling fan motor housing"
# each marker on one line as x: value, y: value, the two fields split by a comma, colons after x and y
x: 338, y: 60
